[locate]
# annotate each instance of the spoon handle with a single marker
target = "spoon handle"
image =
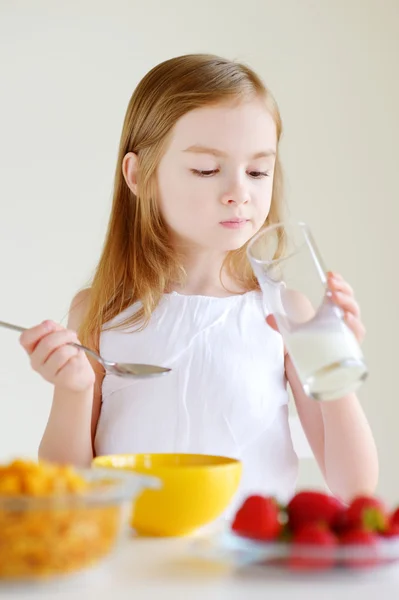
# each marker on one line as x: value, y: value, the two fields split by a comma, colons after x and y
x: 87, y: 350
x: 11, y: 326
x: 133, y: 370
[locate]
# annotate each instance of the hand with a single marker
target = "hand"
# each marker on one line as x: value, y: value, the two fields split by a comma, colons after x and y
x: 343, y: 296
x: 59, y: 363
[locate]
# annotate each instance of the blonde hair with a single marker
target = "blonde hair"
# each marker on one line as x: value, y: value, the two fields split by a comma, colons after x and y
x: 138, y: 262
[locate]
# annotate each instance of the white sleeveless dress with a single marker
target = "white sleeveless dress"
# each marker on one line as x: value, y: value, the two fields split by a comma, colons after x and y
x: 226, y: 394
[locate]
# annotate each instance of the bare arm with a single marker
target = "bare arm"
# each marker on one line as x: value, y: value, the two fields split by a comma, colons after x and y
x: 340, y: 438
x: 70, y: 430
x: 338, y: 431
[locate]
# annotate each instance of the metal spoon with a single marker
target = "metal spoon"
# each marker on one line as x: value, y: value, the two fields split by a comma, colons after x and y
x: 120, y: 369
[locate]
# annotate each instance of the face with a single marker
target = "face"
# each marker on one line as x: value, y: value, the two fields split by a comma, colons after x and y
x: 216, y: 177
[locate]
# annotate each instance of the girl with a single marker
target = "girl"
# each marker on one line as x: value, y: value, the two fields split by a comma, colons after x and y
x: 198, y: 174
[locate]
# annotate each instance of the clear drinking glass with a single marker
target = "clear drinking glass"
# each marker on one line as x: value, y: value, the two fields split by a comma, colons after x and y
x: 291, y: 274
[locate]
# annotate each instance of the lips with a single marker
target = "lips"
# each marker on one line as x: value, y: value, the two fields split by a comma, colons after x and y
x: 235, y: 223
x: 238, y: 221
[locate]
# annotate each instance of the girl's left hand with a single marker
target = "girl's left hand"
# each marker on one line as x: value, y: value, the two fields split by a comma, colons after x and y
x: 343, y: 296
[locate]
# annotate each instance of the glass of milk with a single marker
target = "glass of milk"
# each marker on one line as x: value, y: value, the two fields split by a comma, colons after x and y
x: 291, y: 274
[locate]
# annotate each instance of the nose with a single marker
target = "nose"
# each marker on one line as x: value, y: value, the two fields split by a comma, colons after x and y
x: 236, y: 194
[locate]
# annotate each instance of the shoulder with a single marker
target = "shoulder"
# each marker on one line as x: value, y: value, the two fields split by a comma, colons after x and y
x: 78, y: 308
x: 297, y: 305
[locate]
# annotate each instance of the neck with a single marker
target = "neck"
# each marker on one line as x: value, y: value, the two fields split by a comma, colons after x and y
x: 205, y: 276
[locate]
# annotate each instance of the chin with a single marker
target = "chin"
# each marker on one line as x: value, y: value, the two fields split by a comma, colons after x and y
x: 236, y: 244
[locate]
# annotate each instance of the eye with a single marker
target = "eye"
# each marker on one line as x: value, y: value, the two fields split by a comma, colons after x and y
x: 259, y: 174
x: 207, y: 173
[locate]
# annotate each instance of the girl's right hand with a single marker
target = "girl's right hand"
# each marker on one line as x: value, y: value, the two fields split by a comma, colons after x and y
x: 59, y: 363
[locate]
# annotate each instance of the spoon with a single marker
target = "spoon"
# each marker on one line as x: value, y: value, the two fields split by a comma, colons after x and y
x: 120, y: 369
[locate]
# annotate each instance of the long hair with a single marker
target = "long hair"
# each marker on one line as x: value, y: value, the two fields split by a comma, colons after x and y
x: 138, y: 262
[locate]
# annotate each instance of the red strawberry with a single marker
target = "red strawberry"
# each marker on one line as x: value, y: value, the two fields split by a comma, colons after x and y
x: 319, y: 557
x: 395, y: 517
x: 392, y: 531
x: 312, y: 507
x: 258, y: 518
x: 366, y: 512
x: 366, y: 542
x: 340, y: 523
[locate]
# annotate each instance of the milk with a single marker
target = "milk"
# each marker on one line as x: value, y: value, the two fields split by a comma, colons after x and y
x: 327, y: 358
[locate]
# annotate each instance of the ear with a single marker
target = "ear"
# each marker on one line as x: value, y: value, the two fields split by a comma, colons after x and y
x: 129, y: 170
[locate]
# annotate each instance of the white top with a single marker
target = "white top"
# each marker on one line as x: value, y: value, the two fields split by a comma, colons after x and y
x: 226, y: 394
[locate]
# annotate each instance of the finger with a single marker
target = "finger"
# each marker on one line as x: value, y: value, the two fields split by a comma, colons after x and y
x: 340, y: 285
x: 356, y: 326
x: 49, y: 344
x: 347, y: 303
x: 334, y: 275
x: 31, y: 337
x: 58, y: 360
x: 271, y: 321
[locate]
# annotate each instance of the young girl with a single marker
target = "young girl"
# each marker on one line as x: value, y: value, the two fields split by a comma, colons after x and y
x: 198, y: 175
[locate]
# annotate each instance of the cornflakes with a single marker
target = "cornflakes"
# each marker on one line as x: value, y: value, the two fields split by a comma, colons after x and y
x: 46, y: 535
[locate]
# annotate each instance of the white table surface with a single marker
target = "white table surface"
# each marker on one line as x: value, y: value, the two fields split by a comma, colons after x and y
x: 167, y: 569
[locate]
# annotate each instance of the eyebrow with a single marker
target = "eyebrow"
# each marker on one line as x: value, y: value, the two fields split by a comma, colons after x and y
x: 197, y: 149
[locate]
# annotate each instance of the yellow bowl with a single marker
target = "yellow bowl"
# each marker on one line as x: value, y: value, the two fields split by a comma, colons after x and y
x: 196, y: 489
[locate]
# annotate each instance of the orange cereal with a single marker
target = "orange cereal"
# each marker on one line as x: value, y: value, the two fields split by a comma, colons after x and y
x: 49, y: 524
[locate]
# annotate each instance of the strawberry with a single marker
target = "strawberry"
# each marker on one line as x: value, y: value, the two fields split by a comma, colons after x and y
x: 321, y: 557
x: 312, y: 507
x: 366, y: 512
x: 340, y: 522
x: 395, y: 517
x: 392, y: 531
x: 258, y: 518
x: 365, y: 541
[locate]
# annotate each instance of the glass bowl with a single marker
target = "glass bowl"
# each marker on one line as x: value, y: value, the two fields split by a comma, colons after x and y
x: 46, y: 536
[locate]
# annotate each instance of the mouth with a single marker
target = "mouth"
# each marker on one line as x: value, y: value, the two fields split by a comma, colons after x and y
x: 234, y: 223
